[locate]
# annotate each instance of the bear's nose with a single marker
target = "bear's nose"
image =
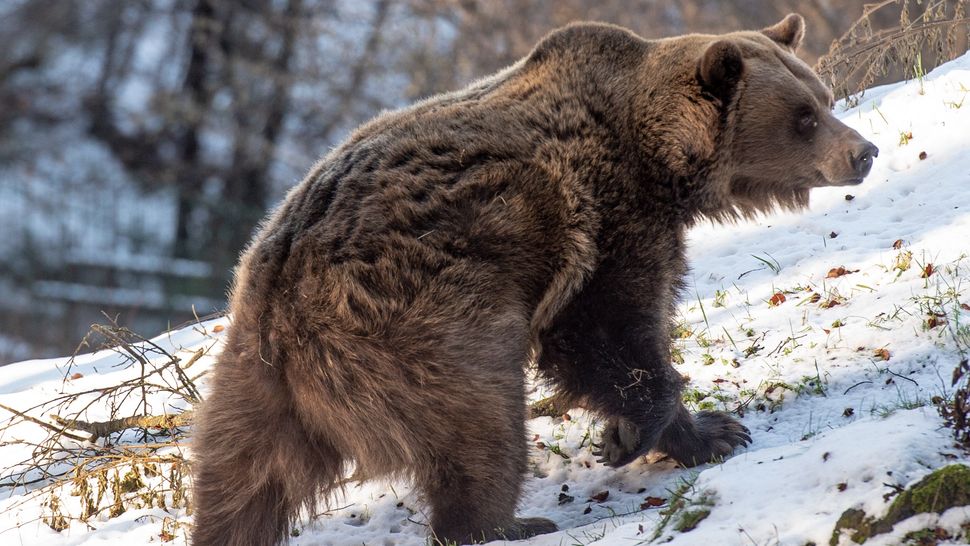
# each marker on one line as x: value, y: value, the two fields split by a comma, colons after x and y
x: 862, y: 158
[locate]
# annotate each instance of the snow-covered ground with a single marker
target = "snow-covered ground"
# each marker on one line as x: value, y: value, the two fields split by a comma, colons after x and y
x: 834, y: 376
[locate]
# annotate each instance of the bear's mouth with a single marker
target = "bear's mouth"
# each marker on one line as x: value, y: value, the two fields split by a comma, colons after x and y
x: 826, y: 181
x: 855, y: 181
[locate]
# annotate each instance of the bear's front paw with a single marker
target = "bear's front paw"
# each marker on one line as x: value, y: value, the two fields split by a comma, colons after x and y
x: 621, y: 443
x: 718, y: 435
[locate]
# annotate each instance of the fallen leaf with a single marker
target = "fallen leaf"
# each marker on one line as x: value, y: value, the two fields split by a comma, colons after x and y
x: 848, y: 412
x: 903, y: 261
x: 933, y: 321
x: 540, y: 445
x: 828, y: 304
x: 927, y: 271
x: 653, y: 501
x: 833, y: 235
x: 564, y: 498
x: 836, y: 272
x: 922, y: 155
x: 815, y: 297
x: 218, y: 328
x: 842, y: 486
x: 965, y: 307
x: 898, y: 244
x: 777, y: 299
x: 77, y: 375
x: 566, y: 417
x: 600, y: 497
x: 882, y: 354
x: 849, y: 197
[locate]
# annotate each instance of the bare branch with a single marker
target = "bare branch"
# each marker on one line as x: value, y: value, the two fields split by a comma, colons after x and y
x: 100, y: 429
x: 60, y: 431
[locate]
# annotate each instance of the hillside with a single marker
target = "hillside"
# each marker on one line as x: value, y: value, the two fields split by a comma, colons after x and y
x: 830, y: 332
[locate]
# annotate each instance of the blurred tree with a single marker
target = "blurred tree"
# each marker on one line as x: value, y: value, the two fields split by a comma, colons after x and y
x: 242, y: 53
x: 141, y: 141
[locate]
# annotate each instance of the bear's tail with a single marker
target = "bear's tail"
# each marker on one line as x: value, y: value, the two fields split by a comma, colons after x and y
x: 254, y: 464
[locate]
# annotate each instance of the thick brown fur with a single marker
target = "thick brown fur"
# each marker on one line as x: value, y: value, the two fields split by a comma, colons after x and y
x: 384, y: 312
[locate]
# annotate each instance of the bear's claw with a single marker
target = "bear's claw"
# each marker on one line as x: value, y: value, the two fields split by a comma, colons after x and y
x: 621, y: 443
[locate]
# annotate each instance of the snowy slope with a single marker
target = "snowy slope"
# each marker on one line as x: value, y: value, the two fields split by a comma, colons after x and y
x: 834, y: 382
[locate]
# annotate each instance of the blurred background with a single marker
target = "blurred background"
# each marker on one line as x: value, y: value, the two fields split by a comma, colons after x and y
x: 142, y: 140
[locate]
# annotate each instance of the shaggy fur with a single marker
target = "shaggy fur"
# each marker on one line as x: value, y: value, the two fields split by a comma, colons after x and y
x: 383, y: 314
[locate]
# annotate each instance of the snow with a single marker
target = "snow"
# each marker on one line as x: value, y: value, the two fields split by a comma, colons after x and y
x: 834, y: 423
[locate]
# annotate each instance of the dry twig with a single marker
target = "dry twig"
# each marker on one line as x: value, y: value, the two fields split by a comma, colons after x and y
x: 915, y: 44
x: 110, y: 471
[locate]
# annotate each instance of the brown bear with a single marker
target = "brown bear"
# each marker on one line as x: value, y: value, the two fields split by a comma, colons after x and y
x: 384, y: 313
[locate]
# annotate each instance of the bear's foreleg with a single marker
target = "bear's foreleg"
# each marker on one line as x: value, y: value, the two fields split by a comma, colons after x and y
x: 610, y: 349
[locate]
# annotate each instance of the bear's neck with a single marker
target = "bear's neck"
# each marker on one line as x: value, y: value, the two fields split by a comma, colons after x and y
x: 641, y: 135
x: 677, y: 126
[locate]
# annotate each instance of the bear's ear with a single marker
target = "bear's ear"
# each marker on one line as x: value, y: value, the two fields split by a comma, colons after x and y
x: 787, y: 33
x: 720, y: 68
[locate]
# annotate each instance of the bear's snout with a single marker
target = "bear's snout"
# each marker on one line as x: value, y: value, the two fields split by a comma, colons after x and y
x: 861, y: 158
x: 851, y: 160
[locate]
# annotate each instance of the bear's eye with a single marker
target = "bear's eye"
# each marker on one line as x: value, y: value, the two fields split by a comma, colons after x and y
x: 807, y: 122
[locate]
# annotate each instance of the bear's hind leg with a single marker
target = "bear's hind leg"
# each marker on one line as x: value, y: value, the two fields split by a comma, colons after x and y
x: 476, y: 459
x: 473, y: 497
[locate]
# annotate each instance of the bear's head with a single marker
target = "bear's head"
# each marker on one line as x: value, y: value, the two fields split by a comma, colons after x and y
x: 777, y: 135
